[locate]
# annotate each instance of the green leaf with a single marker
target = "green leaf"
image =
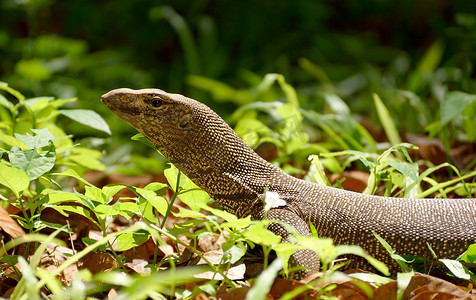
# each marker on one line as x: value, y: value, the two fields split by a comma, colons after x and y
x: 58, y: 197
x: 156, y: 187
x: 87, y: 117
x: 456, y: 268
x: 139, y: 137
x: 14, y: 179
x: 407, y: 169
x: 159, y: 203
x: 453, y: 105
x: 110, y: 190
x: 12, y: 141
x: 34, y: 164
x: 89, y: 241
x: 237, y: 224
x: 74, y: 174
x: 236, y: 252
x: 229, y: 217
x: 186, y: 213
x: 387, y: 121
x: 127, y: 209
x: 128, y: 240
x: 402, y: 262
x: 317, y: 171
x: 469, y: 255
x: 259, y: 234
x: 189, y: 192
x: 42, y: 138
x: 88, y: 158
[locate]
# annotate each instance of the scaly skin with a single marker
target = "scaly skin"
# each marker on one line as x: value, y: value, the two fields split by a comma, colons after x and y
x: 208, y: 151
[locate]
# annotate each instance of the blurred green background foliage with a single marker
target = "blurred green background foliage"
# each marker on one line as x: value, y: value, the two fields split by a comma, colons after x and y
x: 409, y: 52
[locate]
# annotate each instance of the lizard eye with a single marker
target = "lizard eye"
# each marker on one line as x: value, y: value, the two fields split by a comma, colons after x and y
x: 156, y: 102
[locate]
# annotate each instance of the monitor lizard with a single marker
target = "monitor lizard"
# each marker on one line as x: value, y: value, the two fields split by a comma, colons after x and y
x: 201, y: 144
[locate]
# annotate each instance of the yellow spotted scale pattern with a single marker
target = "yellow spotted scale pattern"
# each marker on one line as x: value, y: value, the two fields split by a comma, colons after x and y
x: 208, y: 151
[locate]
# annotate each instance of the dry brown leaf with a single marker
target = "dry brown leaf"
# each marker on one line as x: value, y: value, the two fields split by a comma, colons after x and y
x: 9, y: 225
x: 349, y: 290
x: 355, y: 181
x: 97, y: 262
x: 211, y: 242
x: 139, y: 266
x: 282, y: 286
x: 200, y: 296
x: 431, y: 150
x: 144, y: 251
x: 432, y: 284
x: 238, y: 293
x: 112, y: 294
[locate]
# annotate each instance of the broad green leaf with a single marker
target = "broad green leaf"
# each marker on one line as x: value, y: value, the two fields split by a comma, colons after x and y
x: 237, y: 224
x: 139, y: 137
x: 259, y: 234
x: 74, y: 174
x: 110, y: 190
x: 42, y: 138
x: 357, y: 250
x: 159, y: 203
x: 63, y: 209
x: 252, y: 131
x: 387, y: 121
x: 407, y: 169
x: 186, y: 213
x: 34, y: 164
x: 469, y: 255
x: 288, y: 90
x: 59, y: 197
x: 453, y: 105
x: 156, y: 186
x: 127, y: 209
x: 189, y: 193
x: 12, y: 141
x: 284, y: 252
x: 14, y: 179
x: 95, y: 194
x: 87, y: 117
x: 128, y: 240
x: 236, y: 252
x: 88, y: 158
x: 456, y: 268
x: 229, y: 217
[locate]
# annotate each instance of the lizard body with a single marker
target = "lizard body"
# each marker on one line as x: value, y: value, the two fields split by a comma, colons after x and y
x: 209, y: 152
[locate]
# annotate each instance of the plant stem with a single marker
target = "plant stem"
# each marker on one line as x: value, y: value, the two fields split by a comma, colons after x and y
x: 169, y: 208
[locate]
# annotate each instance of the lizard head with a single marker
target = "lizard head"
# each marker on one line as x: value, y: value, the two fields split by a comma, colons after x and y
x: 184, y: 130
x: 171, y: 122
